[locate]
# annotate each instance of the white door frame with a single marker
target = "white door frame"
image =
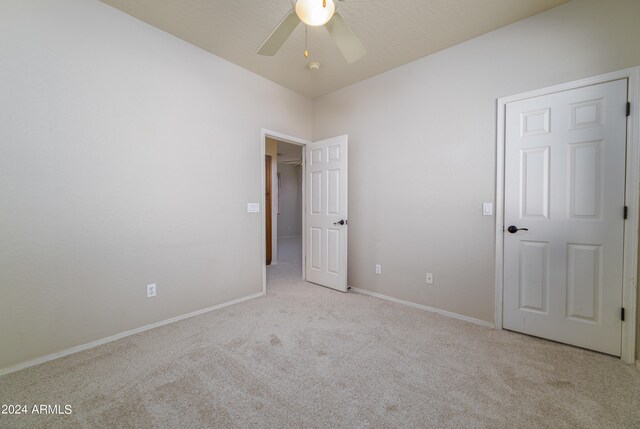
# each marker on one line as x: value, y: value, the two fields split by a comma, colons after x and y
x: 632, y: 192
x: 264, y: 133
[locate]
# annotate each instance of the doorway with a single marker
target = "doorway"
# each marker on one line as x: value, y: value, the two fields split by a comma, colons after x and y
x: 281, y: 231
x: 268, y: 204
x: 565, y: 247
x: 324, y: 232
x: 288, y: 209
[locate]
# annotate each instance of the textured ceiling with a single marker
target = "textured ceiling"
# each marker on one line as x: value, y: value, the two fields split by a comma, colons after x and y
x: 394, y: 32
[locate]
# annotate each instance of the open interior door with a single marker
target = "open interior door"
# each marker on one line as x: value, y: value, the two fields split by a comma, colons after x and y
x: 326, y: 212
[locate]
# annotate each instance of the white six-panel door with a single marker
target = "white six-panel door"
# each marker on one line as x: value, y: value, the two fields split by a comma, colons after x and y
x: 326, y: 206
x: 565, y: 183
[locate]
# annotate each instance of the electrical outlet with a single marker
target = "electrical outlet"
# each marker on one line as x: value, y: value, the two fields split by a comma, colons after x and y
x: 151, y: 290
x: 378, y: 269
x: 429, y: 278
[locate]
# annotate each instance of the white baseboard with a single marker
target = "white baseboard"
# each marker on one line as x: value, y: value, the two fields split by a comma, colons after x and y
x: 115, y: 337
x: 425, y: 308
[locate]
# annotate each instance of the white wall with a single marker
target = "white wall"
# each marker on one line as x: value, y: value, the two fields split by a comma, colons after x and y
x: 422, y: 148
x: 290, y: 217
x: 127, y: 157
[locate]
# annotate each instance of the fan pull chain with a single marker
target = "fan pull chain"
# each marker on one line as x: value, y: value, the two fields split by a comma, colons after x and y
x: 306, y: 41
x: 324, y: 3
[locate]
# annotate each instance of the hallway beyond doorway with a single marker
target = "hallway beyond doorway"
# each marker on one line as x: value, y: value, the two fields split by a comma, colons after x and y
x: 289, y: 267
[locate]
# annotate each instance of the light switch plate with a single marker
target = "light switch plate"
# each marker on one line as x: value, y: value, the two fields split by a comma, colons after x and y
x: 487, y: 209
x: 253, y: 207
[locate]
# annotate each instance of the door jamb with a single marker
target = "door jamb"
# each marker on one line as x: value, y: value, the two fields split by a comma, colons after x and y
x: 632, y: 193
x: 264, y: 133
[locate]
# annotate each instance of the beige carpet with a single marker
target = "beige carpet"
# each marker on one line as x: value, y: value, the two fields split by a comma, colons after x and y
x: 305, y: 356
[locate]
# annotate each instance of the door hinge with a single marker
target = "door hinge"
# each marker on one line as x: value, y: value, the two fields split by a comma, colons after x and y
x: 628, y: 108
x: 626, y: 212
x: 622, y: 314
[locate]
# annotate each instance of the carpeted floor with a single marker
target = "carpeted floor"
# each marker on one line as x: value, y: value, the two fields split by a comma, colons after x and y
x: 308, y: 357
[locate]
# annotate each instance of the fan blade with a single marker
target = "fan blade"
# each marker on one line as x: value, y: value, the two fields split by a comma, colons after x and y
x: 279, y: 34
x: 348, y: 43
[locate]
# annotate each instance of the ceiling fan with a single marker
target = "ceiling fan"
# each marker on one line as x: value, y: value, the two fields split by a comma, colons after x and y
x: 315, y: 13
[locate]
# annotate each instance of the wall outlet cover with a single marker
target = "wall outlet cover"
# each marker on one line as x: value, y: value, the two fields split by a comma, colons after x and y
x: 151, y: 290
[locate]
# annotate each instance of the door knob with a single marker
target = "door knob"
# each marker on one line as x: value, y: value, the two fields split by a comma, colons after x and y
x: 340, y: 222
x: 513, y: 229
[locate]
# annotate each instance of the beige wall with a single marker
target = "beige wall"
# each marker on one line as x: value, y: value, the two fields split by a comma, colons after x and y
x: 127, y: 157
x: 422, y: 148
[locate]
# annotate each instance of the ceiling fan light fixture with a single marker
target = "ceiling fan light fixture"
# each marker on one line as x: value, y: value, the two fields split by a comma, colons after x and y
x: 313, y: 12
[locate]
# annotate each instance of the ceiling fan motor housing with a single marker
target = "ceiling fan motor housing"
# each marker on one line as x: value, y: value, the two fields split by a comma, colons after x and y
x: 313, y: 12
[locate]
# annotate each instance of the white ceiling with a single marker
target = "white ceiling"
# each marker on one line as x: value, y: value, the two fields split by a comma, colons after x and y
x: 394, y: 32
